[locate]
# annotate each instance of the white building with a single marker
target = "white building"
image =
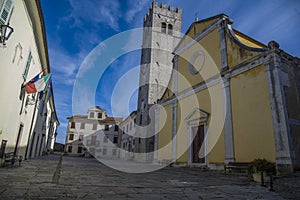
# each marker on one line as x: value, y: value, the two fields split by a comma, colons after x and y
x: 23, y: 56
x: 127, y: 138
x: 94, y: 134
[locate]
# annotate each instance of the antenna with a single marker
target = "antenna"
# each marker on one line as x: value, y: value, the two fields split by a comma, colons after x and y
x: 196, y: 17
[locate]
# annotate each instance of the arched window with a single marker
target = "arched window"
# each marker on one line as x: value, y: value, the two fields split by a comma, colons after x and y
x: 170, y: 29
x: 163, y: 27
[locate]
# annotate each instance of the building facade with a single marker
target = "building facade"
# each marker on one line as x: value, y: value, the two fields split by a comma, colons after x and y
x: 232, y: 98
x: 128, y: 143
x: 95, y: 134
x: 161, y: 34
x: 23, y: 57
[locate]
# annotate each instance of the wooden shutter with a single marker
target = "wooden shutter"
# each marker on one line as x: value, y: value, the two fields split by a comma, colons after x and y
x: 6, y: 11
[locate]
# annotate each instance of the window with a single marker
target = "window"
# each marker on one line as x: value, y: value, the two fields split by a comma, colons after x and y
x: 139, y: 140
x: 114, y: 152
x: 71, y: 137
x: 80, y: 137
x: 94, y: 126
x: 100, y: 115
x: 130, y: 125
x: 127, y: 128
x: 105, y: 139
x: 115, y: 139
x: 92, y: 114
x: 28, y: 63
x: 170, y: 29
x: 6, y: 11
x: 72, y: 124
x: 79, y: 150
x: 163, y: 27
x: 116, y: 128
x: 133, y: 142
x: 82, y: 125
x: 106, y: 128
x: 69, y: 148
x: 134, y: 121
x: 94, y: 138
x: 104, y: 151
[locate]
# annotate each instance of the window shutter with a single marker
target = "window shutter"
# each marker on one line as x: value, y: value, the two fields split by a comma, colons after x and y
x: 6, y: 11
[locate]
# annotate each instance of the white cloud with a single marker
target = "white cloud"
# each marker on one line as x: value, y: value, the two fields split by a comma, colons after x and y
x: 94, y: 12
x: 137, y: 7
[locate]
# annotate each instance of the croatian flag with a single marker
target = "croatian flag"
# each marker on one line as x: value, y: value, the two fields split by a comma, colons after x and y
x: 37, y: 84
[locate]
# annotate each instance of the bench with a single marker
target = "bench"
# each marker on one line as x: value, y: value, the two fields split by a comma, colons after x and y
x: 12, y: 158
x: 236, y: 166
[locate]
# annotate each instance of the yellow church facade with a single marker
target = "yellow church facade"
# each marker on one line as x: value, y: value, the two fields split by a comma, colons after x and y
x: 230, y: 99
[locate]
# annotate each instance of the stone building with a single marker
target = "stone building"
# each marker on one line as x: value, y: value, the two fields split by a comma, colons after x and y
x: 161, y: 34
x: 127, y: 140
x: 28, y: 122
x: 230, y: 98
x: 94, y: 134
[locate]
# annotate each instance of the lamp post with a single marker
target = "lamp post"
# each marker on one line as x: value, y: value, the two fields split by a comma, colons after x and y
x: 5, y: 32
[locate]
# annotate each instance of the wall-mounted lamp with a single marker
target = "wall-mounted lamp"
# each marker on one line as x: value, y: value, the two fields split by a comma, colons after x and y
x: 5, y: 32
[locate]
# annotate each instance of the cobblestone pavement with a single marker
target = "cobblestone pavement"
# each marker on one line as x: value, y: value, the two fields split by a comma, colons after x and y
x: 55, y: 177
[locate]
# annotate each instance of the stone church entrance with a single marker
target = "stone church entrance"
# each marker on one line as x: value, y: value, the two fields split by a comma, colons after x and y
x: 198, y: 135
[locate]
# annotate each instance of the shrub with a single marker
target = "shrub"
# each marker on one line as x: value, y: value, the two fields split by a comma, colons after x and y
x: 261, y: 165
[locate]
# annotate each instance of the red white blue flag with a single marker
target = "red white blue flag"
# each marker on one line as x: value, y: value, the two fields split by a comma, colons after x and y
x: 37, y: 84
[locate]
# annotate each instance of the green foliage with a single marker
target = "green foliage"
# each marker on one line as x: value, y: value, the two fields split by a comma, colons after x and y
x: 261, y: 165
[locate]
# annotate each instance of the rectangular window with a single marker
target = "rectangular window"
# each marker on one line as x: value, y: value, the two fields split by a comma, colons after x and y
x: 79, y: 150
x: 127, y: 128
x: 80, y: 137
x: 130, y: 125
x: 92, y: 114
x: 94, y: 138
x: 100, y: 115
x: 28, y: 63
x: 69, y: 149
x: 104, y: 151
x: 6, y: 11
x: 82, y: 125
x: 115, y: 139
x: 72, y: 124
x: 114, y: 152
x: 71, y: 137
x: 116, y: 128
x: 94, y: 126
x: 105, y: 139
x: 106, y: 127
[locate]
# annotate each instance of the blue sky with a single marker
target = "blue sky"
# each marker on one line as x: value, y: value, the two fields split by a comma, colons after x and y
x: 75, y: 27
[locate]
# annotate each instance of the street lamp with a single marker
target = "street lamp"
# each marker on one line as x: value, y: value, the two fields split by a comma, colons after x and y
x: 5, y: 32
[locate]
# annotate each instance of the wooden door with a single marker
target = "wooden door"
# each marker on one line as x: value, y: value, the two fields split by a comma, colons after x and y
x: 198, y: 135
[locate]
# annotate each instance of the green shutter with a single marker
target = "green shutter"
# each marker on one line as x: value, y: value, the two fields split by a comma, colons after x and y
x: 6, y: 11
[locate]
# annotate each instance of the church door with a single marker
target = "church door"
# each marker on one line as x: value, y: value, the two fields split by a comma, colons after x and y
x: 198, y: 135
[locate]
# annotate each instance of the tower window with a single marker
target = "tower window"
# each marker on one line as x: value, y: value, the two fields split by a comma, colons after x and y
x: 170, y: 29
x: 163, y: 27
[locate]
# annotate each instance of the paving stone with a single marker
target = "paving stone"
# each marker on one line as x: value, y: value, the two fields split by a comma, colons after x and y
x: 86, y: 178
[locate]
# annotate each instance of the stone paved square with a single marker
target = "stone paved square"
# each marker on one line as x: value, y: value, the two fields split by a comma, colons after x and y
x: 87, y: 178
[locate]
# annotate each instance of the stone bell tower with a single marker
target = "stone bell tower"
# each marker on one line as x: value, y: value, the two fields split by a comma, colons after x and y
x: 161, y: 34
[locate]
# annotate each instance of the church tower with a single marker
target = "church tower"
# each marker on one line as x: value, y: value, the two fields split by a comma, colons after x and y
x: 162, y: 33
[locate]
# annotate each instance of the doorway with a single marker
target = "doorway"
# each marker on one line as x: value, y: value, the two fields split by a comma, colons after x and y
x: 198, y: 153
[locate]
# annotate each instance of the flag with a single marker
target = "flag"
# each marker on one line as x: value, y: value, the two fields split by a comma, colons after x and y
x: 37, y: 85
